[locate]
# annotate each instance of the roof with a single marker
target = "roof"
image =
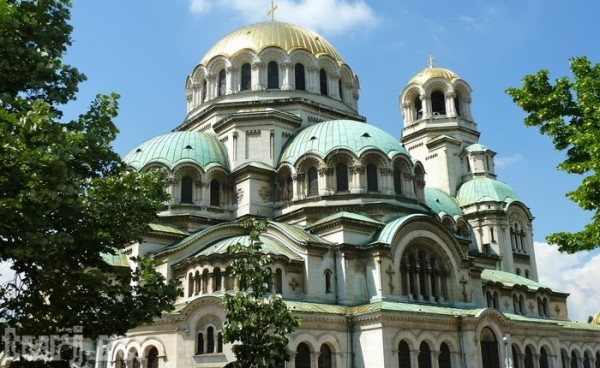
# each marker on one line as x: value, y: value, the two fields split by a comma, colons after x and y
x: 386, y: 236
x: 477, y: 147
x: 346, y: 215
x: 483, y: 189
x: 441, y: 202
x: 119, y: 259
x: 268, y: 245
x: 323, y: 138
x: 510, y: 279
x: 258, y: 36
x: 171, y: 149
x: 433, y: 72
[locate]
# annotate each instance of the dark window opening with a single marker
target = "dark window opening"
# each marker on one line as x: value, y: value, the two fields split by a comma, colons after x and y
x: 438, y: 103
x: 341, y: 173
x: 215, y: 192
x: 210, y: 340
x: 313, y: 182
x: 403, y: 355
x: 302, y: 359
x: 222, y: 83
x: 300, y: 77
x: 272, y: 75
x: 372, y: 185
x: 246, y: 77
x: 323, y: 82
x: 186, y: 189
x: 397, y: 181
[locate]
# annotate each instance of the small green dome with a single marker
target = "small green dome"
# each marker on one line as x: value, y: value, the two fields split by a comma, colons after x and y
x: 441, y: 202
x: 174, y: 148
x: 322, y: 138
x: 477, y: 147
x: 485, y: 189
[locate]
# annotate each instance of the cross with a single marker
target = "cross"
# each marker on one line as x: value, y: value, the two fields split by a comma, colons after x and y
x: 271, y: 11
x: 430, y: 59
x: 463, y: 281
x: 390, y: 271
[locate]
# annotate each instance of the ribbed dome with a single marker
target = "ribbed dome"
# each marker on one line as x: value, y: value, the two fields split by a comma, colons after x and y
x: 174, y: 148
x: 432, y: 73
x: 322, y: 138
x: 485, y: 189
x: 441, y: 202
x: 256, y: 37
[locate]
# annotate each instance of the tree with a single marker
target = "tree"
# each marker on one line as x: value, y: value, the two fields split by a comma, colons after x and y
x: 257, y: 320
x: 66, y: 198
x: 569, y: 113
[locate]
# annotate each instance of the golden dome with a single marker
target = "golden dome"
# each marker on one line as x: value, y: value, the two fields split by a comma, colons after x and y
x: 256, y: 37
x: 433, y: 72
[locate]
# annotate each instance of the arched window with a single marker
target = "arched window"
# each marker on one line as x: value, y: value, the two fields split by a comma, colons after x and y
x: 327, y: 281
x: 424, y: 355
x: 444, y: 359
x: 528, y: 357
x: 229, y: 279
x: 438, y: 103
x: 515, y: 357
x: 424, y: 275
x: 457, y: 105
x: 197, y: 283
x: 574, y: 361
x: 397, y: 181
x: 222, y: 83
x: 205, y: 281
x: 200, y: 343
x: 246, y: 77
x: 527, y: 274
x: 190, y: 284
x: 597, y: 360
x: 210, y: 340
x: 120, y: 362
x: 278, y: 281
x: 204, y: 90
x: 313, y: 182
x: 489, y: 349
x: 564, y: 358
x: 152, y: 358
x: 186, y: 189
x: 272, y: 75
x: 290, y: 188
x: 403, y: 355
x: 215, y: 192
x: 219, y: 342
x: 372, y: 185
x: 516, y: 304
x: 300, y: 77
x: 418, y: 108
x: 340, y: 90
x: 323, y: 82
x: 544, y: 358
x: 217, y: 279
x: 325, y: 357
x: 521, y: 304
x: 341, y: 175
x: 136, y: 361
x: 587, y: 363
x: 302, y: 359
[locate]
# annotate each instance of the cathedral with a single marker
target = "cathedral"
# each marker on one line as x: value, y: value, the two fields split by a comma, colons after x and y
x: 394, y: 251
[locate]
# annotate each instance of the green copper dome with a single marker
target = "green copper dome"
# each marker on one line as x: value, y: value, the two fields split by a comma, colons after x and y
x: 174, y: 148
x: 322, y: 138
x: 441, y: 202
x: 485, y: 189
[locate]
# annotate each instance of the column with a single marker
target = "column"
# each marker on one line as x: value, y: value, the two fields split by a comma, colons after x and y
x: 258, y: 76
x: 450, y: 108
x: 285, y: 83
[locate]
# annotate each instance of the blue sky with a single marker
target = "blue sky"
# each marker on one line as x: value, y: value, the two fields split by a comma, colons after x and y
x: 145, y: 50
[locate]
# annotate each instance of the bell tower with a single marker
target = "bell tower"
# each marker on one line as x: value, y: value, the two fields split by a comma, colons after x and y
x: 438, y: 125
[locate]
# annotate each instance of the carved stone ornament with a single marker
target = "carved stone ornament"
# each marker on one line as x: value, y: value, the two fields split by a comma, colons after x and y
x: 239, y: 194
x: 265, y: 193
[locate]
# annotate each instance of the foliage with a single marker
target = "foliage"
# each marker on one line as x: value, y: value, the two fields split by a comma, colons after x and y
x: 569, y: 113
x: 256, y: 319
x: 66, y: 199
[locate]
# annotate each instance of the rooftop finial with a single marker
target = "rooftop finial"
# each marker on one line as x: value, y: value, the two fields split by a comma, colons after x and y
x: 430, y: 59
x: 271, y: 11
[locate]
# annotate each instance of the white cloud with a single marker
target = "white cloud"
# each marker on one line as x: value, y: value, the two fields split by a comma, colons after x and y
x: 576, y: 274
x: 507, y: 161
x: 326, y: 16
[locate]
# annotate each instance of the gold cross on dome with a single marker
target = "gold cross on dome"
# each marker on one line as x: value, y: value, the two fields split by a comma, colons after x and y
x: 430, y: 59
x: 271, y: 11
